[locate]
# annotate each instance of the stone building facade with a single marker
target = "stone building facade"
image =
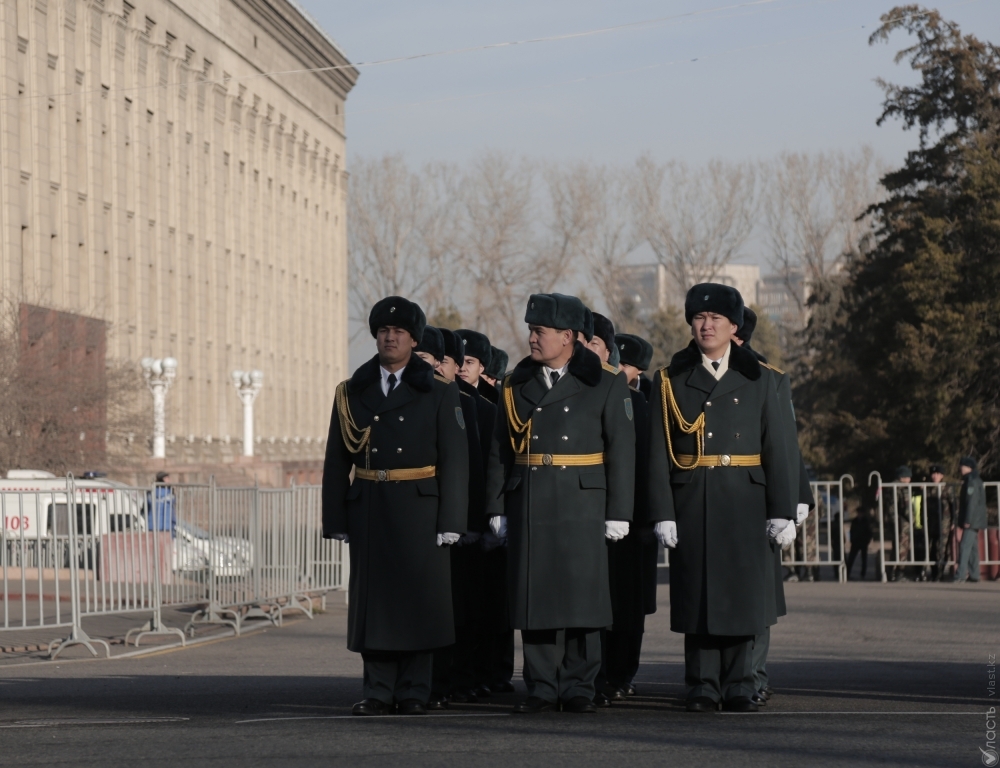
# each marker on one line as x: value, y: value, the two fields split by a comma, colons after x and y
x: 151, y: 176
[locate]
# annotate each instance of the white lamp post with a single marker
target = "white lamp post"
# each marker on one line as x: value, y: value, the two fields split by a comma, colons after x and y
x: 248, y: 385
x: 159, y: 375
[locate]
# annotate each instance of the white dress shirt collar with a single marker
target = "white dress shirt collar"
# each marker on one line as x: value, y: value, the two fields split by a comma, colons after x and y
x: 385, y: 379
x: 547, y: 374
x: 723, y: 363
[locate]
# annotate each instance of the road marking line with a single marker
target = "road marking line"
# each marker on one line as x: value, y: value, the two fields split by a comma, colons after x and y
x: 94, y: 721
x: 856, y: 712
x: 356, y: 717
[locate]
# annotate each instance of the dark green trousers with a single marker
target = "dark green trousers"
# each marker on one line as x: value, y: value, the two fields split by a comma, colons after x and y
x: 761, y: 644
x: 561, y: 664
x: 718, y: 667
x: 398, y: 675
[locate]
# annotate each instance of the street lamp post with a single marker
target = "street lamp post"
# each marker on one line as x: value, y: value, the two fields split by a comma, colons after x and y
x: 159, y: 375
x: 248, y: 385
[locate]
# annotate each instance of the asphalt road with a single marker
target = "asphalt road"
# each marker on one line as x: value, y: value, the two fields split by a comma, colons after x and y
x: 866, y: 674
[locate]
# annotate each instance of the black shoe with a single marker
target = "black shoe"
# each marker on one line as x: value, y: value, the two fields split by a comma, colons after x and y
x: 482, y: 691
x: 600, y: 700
x: 759, y: 699
x: 370, y: 707
x: 617, y: 695
x: 411, y: 707
x: 739, y: 704
x: 437, y: 702
x: 533, y: 705
x: 630, y: 690
x: 768, y: 691
x: 579, y: 705
x: 463, y: 697
x: 502, y: 686
x: 701, y: 704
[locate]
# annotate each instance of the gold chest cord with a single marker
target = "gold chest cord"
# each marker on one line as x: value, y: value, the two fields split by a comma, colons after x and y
x: 672, y: 410
x: 516, y: 427
x: 355, y: 439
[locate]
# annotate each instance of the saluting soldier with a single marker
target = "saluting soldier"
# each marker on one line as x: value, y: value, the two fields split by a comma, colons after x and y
x: 636, y: 355
x: 403, y: 434
x: 560, y: 482
x: 721, y: 483
x: 776, y: 606
x: 621, y: 643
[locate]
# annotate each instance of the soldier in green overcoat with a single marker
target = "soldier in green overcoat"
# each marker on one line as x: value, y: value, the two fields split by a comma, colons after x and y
x: 722, y: 482
x: 560, y: 481
x: 401, y: 433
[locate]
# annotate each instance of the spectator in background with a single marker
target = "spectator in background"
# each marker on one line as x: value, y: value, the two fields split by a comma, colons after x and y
x: 940, y: 513
x: 861, y: 537
x: 971, y: 520
x: 898, y: 530
x: 161, y: 512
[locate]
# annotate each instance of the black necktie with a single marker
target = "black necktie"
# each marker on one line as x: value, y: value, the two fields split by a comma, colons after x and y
x: 716, y: 364
x: 554, y: 377
x: 392, y: 382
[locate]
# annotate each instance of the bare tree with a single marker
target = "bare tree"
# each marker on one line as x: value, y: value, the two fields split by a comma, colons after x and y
x: 402, y: 232
x: 814, y: 214
x: 696, y: 221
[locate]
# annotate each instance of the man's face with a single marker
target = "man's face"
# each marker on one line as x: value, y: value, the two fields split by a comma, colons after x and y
x: 598, y: 347
x: 937, y: 477
x: 712, y: 332
x: 966, y: 470
x: 448, y: 368
x: 471, y: 370
x: 904, y: 479
x: 631, y: 372
x: 428, y: 358
x: 395, y: 345
x: 548, y: 344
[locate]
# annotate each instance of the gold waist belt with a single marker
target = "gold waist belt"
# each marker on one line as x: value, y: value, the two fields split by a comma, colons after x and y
x: 720, y: 460
x: 559, y: 459
x: 394, y: 475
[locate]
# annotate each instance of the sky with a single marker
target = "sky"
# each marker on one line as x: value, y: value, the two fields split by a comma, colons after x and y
x: 703, y: 79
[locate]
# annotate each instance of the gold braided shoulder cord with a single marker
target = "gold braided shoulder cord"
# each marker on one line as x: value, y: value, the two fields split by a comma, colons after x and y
x: 514, y: 424
x: 355, y: 439
x: 670, y: 408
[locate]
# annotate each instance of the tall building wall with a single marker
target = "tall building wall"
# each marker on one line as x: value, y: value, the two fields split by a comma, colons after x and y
x: 152, y: 178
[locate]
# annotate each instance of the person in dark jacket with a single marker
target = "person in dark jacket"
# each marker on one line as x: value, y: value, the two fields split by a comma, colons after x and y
x: 401, y: 432
x: 971, y: 520
x: 561, y: 481
x: 941, y: 510
x: 723, y: 482
x: 861, y: 537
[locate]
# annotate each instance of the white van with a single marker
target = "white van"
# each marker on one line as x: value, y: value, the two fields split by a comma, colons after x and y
x: 35, y: 504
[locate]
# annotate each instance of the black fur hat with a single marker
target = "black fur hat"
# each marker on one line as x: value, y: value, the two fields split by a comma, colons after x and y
x: 714, y: 297
x: 432, y: 343
x: 745, y: 333
x: 556, y: 310
x: 634, y: 350
x: 498, y: 363
x: 588, y: 325
x: 604, y: 329
x: 453, y: 346
x: 476, y: 345
x: 399, y: 312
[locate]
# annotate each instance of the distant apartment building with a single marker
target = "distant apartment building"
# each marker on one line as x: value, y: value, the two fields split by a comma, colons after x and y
x: 650, y: 287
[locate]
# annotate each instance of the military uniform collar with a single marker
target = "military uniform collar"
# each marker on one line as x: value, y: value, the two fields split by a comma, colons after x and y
x: 585, y: 366
x: 417, y: 374
x: 740, y: 361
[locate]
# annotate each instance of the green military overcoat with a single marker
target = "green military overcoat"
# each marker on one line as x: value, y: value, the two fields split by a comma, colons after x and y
x: 400, y: 584
x: 557, y: 568
x: 722, y: 568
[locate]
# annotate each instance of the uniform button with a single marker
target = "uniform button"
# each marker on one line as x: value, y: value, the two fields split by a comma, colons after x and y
x: 534, y: 437
x: 708, y: 404
x: 565, y: 438
x: 736, y: 400
x: 534, y: 469
x: 400, y: 418
x: 374, y: 450
x: 737, y: 435
x: 376, y: 418
x: 566, y: 408
x: 709, y: 434
x: 538, y: 409
x: 399, y: 450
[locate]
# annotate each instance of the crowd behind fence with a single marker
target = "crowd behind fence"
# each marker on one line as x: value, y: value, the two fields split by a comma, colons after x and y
x: 74, y: 550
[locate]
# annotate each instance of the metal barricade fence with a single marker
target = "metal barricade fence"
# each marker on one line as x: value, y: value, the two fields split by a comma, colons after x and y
x: 819, y: 541
x: 83, y: 550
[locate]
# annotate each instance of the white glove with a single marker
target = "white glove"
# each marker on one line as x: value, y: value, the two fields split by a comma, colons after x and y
x: 469, y: 538
x: 781, y: 532
x: 447, y: 539
x: 341, y: 537
x: 666, y: 533
x: 801, y: 513
x: 498, y: 524
x: 615, y: 529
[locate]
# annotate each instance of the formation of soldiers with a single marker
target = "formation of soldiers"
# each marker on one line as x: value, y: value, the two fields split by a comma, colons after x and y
x: 477, y: 501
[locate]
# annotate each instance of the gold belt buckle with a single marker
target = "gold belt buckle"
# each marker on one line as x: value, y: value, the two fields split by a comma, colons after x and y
x: 381, y: 475
x: 725, y: 460
x: 547, y: 459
